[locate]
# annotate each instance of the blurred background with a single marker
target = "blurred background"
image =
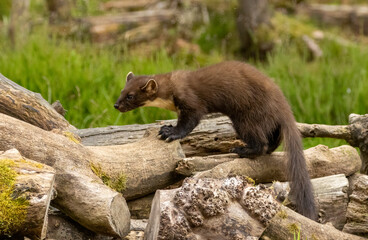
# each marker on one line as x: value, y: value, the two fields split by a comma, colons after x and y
x: 79, y: 51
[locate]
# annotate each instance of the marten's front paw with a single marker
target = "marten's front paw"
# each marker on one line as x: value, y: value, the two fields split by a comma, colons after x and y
x: 168, y: 133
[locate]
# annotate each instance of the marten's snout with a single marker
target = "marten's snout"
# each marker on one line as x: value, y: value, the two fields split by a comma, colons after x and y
x: 116, y: 106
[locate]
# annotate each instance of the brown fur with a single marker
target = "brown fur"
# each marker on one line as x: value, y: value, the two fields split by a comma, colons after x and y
x: 259, y: 111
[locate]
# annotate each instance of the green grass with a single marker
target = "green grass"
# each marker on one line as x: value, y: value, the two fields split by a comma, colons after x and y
x: 87, y: 79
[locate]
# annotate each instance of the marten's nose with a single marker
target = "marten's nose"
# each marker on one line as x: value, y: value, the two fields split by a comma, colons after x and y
x: 116, y: 105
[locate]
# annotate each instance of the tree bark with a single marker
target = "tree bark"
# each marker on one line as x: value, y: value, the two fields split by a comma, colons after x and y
x: 229, y: 208
x: 210, y: 209
x: 321, y: 161
x: 253, y: 23
x: 30, y: 107
x: 35, y: 183
x: 357, y: 217
x: 81, y: 194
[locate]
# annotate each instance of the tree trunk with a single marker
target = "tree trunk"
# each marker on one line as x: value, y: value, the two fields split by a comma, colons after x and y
x: 321, y: 161
x: 81, y: 194
x: 59, y: 10
x: 30, y: 107
x: 253, y: 22
x: 357, y: 217
x: 19, y: 21
x: 34, y: 182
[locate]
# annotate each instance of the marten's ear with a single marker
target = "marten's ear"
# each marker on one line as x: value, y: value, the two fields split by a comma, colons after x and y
x: 150, y: 87
x: 129, y: 76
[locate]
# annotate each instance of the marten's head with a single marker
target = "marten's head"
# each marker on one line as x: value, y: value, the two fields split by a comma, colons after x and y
x: 138, y: 91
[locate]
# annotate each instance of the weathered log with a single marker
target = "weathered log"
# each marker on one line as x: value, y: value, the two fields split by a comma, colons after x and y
x: 140, y: 208
x: 357, y: 212
x: 210, y: 209
x: 102, y: 28
x: 353, y: 16
x: 331, y: 197
x: 216, y: 135
x: 287, y: 224
x: 30, y: 107
x: 60, y: 226
x: 321, y: 161
x: 314, y: 50
x: 81, y: 194
x: 148, y: 164
x: 33, y: 183
x: 228, y: 209
x: 127, y: 4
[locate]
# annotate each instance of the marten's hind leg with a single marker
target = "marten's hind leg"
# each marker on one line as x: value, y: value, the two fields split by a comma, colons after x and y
x: 274, y: 139
x: 256, y: 144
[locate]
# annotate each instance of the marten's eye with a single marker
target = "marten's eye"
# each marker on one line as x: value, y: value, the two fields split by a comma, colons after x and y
x: 129, y: 97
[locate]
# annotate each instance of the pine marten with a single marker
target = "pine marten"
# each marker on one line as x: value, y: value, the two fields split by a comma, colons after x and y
x: 260, y: 114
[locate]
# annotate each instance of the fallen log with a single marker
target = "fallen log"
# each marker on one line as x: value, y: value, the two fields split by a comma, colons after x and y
x: 30, y: 107
x: 24, y: 205
x: 140, y: 208
x: 357, y: 211
x: 353, y: 16
x: 81, y: 194
x: 230, y: 208
x: 148, y: 164
x: 321, y: 161
x: 331, y: 197
x: 60, y: 226
x: 103, y: 28
x: 288, y: 224
x: 209, y: 209
x: 127, y: 4
x: 216, y: 135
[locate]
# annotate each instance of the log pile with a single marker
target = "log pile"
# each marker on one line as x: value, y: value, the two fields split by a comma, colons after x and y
x: 222, y: 197
x: 354, y: 17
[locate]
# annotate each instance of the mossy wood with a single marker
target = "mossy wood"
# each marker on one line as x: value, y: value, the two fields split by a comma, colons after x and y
x: 24, y: 212
x: 148, y: 164
x: 81, y: 194
x: 30, y: 107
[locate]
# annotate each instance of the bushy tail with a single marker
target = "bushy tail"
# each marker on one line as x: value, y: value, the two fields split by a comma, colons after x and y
x: 301, y: 190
